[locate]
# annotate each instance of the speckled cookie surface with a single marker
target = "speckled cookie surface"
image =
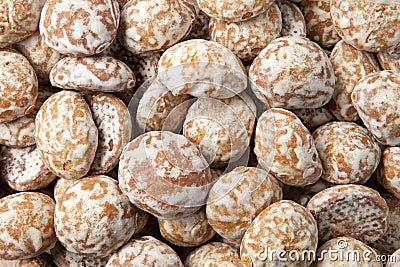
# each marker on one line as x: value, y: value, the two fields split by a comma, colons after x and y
x: 293, y: 22
x: 79, y: 27
x: 388, y: 172
x: 389, y: 60
x: 214, y: 254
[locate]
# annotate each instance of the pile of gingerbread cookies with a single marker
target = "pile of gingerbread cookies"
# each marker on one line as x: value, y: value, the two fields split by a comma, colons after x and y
x: 199, y: 133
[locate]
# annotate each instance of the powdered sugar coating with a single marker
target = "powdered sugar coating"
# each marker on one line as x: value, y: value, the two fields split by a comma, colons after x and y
x: 349, y: 210
x: 203, y: 69
x: 18, y: 86
x: 388, y: 172
x: 375, y: 98
x: 247, y: 38
x: 189, y: 231
x: 101, y: 73
x: 238, y: 197
x: 348, y: 152
x: 19, y: 19
x: 390, y: 241
x: 389, y: 60
x: 23, y: 169
x: 319, y: 23
x: 79, y: 27
x: 396, y: 259
x: 221, y: 128
x: 164, y: 174
x: 114, y: 123
x: 61, y: 186
x: 145, y: 251
x: 159, y: 109
x: 26, y: 225
x: 313, y: 117
x: 285, y: 147
x: 41, y: 56
x: 293, y: 22
x: 284, y: 225
x: 292, y: 72
x: 372, y: 26
x: 214, y: 254
x: 66, y: 135
x: 350, y: 65
x: 356, y: 254
x: 155, y: 25
x: 234, y: 10
x: 93, y: 217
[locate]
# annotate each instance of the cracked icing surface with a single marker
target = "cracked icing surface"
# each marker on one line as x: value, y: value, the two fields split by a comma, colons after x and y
x: 285, y: 147
x: 23, y: 169
x: 18, y: 20
x: 93, y: 217
x: 293, y: 22
x: 388, y: 172
x: 164, y: 174
x: 154, y: 25
x: 190, y: 231
x: 26, y: 225
x: 202, y: 69
x: 113, y: 121
x: 18, y: 86
x: 79, y: 27
x: 66, y: 135
x: 375, y: 98
x: 284, y: 225
x: 238, y: 197
x: 221, y: 128
x: 349, y: 210
x: 100, y: 73
x: 367, y: 25
x: 214, y: 254
x: 234, y: 10
x: 247, y: 38
x: 292, y: 72
x: 350, y: 65
x: 145, y: 251
x: 348, y: 152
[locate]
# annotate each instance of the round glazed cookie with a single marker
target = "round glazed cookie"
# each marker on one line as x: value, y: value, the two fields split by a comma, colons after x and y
x: 348, y: 152
x: 214, y: 254
x: 283, y: 226
x: 23, y: 169
x: 390, y: 241
x: 388, y: 173
x: 66, y: 135
x: 114, y: 124
x: 93, y: 217
x: 61, y: 186
x: 159, y: 109
x: 390, y: 60
x: 293, y: 22
x: 354, y: 254
x: 190, y: 231
x: 234, y: 10
x: 41, y: 56
x: 349, y: 210
x: 100, y: 73
x: 64, y: 258
x: 205, y: 69
x: 313, y: 117
x: 319, y: 23
x: 79, y: 27
x: 372, y: 26
x: 292, y: 72
x: 375, y: 98
x: 221, y: 128
x: 27, y: 225
x: 164, y: 174
x: 18, y: 86
x: 19, y: 20
x: 285, y: 147
x: 350, y: 65
x: 237, y: 198
x: 145, y: 251
x: 155, y: 25
x: 247, y: 38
